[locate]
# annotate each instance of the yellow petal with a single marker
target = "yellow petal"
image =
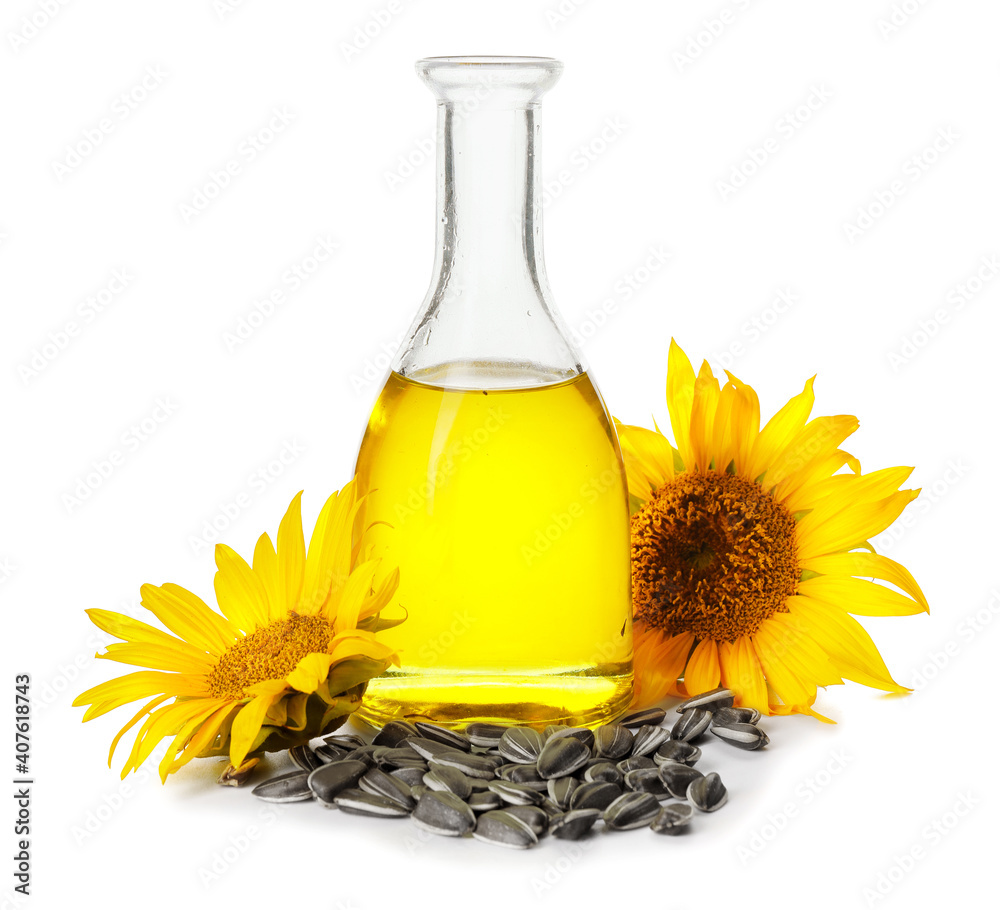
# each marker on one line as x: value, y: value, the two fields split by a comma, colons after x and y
x: 142, y: 712
x: 868, y: 564
x: 680, y: 400
x: 779, y: 431
x: 815, y: 441
x: 658, y: 662
x: 848, y: 644
x: 265, y: 567
x: 120, y: 691
x: 201, y: 738
x: 859, y: 596
x: 291, y: 553
x: 740, y: 671
x: 162, y: 722
x: 239, y: 590
x: 209, y: 709
x: 651, y: 451
x: 310, y: 671
x: 797, y: 491
x: 850, y: 526
x: 130, y: 629
x: 247, y: 723
x: 745, y: 414
x: 353, y: 595
x: 189, y: 616
x: 702, y: 671
x: 158, y: 657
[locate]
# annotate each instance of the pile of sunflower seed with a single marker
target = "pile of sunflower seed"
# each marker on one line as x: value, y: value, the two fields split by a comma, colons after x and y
x: 510, y: 786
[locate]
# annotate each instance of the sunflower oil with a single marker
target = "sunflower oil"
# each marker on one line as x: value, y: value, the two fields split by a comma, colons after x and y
x: 506, y: 512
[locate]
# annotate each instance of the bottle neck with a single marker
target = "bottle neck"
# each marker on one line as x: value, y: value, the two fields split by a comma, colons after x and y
x: 488, y: 201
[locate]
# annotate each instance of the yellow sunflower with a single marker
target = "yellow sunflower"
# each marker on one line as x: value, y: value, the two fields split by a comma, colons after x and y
x: 287, y: 660
x: 747, y: 544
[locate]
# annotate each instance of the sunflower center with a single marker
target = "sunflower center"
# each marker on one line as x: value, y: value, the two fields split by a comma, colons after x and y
x: 270, y: 652
x: 712, y: 554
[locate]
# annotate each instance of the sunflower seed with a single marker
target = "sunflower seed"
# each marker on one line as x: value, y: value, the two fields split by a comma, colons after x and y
x: 505, y: 830
x: 677, y: 777
x: 533, y: 816
x: 327, y: 753
x: 348, y: 741
x: 487, y: 735
x: 612, y: 741
x: 598, y: 795
x: 635, y: 763
x: 673, y: 819
x: 675, y: 750
x: 429, y: 748
x: 743, y: 736
x: 522, y: 745
x: 707, y: 793
x: 451, y: 780
x: 648, y: 739
x: 562, y: 756
x: 419, y: 790
x: 516, y: 794
x: 443, y: 736
x: 362, y: 753
x: 400, y: 757
x: 287, y: 788
x: 603, y: 770
x: 580, y: 733
x: 723, y: 717
x: 478, y: 766
x: 329, y: 780
x: 410, y: 776
x: 379, y: 783
x: 716, y: 698
x: 444, y: 813
x: 358, y: 802
x: 304, y: 758
x: 523, y: 774
x: 651, y: 716
x: 573, y: 825
x: 631, y: 810
x: 561, y: 789
x: 691, y: 724
x: 485, y: 801
x: 646, y: 780
x: 551, y: 808
x: 393, y: 733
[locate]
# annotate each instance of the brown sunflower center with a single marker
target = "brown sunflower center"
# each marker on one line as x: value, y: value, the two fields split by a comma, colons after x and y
x: 271, y: 652
x: 712, y: 554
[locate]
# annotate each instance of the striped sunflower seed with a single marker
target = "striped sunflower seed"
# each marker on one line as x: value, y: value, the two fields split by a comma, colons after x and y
x: 380, y: 783
x: 505, y: 830
x: 673, y: 819
x: 478, y: 766
x: 650, y: 716
x: 286, y: 788
x: 574, y: 824
x: 675, y: 750
x: 484, y: 801
x: 581, y: 733
x: 635, y: 763
x: 516, y: 794
x: 723, y: 717
x: 603, y: 770
x: 598, y: 795
x: 691, y: 724
x: 708, y: 793
x: 522, y: 745
x: 562, y: 756
x: 716, y: 698
x: 429, y: 748
x: 648, y: 739
x: 443, y: 736
x: 393, y: 733
x: 561, y: 789
x: 329, y: 780
x: 533, y: 816
x: 743, y: 736
x: 631, y: 810
x: 359, y: 802
x: 451, y: 780
x: 485, y: 735
x: 613, y: 741
x: 647, y: 780
x: 410, y: 776
x: 677, y: 777
x: 444, y: 813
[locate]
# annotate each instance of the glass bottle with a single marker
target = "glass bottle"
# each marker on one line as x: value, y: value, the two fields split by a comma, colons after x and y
x: 494, y: 475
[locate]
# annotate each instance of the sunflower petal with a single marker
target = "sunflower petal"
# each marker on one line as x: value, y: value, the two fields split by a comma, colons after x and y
x: 850, y: 526
x: 247, y: 723
x: 658, y: 661
x: 780, y: 430
x: 310, y: 671
x: 702, y: 671
x: 680, y: 400
x: 868, y: 564
x: 239, y: 590
x: 265, y: 567
x: 157, y: 657
x: 859, y: 596
x: 188, y: 616
x: 740, y: 671
x: 352, y: 597
x: 291, y: 553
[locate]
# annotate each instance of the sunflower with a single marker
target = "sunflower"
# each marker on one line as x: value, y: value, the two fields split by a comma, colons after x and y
x: 747, y: 547
x: 287, y: 659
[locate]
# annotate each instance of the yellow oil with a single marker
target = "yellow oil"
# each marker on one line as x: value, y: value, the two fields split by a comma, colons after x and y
x: 506, y: 512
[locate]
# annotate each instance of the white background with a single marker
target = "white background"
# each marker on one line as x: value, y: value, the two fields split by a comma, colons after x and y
x: 827, y: 811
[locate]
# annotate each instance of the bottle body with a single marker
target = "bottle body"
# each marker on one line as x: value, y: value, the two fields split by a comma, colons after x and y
x: 506, y: 512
